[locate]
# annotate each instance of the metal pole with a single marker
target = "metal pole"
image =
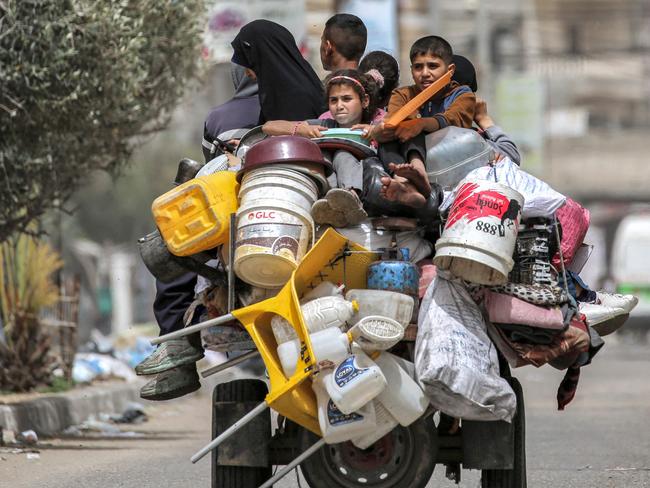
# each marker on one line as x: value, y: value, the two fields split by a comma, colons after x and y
x: 231, y: 265
x: 284, y: 471
x: 233, y: 362
x: 193, y: 328
x: 230, y: 431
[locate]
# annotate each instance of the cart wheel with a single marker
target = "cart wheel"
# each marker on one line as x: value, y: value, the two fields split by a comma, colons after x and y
x: 403, y: 458
x: 248, y: 390
x: 516, y: 477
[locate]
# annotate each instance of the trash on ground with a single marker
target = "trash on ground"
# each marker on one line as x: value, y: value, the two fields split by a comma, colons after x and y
x: 133, y: 414
x: 27, y: 437
x: 90, y: 366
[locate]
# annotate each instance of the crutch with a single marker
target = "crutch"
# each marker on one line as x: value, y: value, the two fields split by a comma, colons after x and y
x: 287, y: 469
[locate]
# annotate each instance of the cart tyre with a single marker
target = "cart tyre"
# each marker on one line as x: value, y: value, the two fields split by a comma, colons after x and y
x: 516, y: 477
x: 414, y: 451
x: 249, y: 390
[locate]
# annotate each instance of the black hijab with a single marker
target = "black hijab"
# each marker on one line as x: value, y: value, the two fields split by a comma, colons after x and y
x: 288, y: 86
x: 465, y: 73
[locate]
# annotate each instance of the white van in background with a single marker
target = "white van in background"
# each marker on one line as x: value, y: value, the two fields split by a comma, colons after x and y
x: 630, y: 264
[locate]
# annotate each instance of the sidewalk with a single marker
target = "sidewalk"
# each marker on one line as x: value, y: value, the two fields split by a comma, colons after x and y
x: 50, y: 414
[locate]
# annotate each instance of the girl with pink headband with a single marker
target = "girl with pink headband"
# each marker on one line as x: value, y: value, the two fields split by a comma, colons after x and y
x: 352, y: 103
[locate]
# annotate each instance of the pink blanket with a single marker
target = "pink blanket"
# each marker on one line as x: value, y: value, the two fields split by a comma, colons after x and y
x: 506, y: 309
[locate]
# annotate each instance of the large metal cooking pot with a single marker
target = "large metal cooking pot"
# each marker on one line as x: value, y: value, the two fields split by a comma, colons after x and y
x: 453, y: 152
x: 248, y: 140
x: 166, y: 267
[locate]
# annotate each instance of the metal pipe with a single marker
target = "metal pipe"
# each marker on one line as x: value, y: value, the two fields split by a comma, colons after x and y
x: 231, y: 263
x: 230, y: 431
x: 193, y: 328
x: 227, y: 364
x: 287, y: 469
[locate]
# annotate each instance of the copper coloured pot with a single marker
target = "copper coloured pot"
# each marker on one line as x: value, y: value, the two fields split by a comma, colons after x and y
x: 284, y: 150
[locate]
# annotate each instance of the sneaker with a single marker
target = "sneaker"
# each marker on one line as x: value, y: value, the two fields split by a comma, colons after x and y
x: 168, y: 355
x: 616, y: 300
x: 172, y: 383
x: 603, y: 319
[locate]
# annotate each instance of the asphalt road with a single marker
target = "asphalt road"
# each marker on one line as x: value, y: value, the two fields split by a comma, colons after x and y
x: 602, y: 439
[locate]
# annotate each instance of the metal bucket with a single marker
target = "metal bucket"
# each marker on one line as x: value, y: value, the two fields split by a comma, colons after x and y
x: 481, y: 231
x: 166, y: 267
x: 452, y: 153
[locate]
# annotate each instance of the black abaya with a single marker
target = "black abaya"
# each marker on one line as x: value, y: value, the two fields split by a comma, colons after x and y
x: 289, y: 89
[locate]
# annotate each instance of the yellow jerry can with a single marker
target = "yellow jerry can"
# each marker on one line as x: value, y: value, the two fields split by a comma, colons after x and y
x: 195, y: 216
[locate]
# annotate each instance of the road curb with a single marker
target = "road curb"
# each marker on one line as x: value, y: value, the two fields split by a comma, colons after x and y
x: 49, y: 415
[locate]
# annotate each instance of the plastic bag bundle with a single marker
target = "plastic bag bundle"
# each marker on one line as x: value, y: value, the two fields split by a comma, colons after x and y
x: 456, y: 363
x: 540, y: 200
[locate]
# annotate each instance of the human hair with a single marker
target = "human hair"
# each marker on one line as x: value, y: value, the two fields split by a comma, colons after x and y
x: 364, y: 85
x: 465, y: 73
x: 433, y: 45
x: 348, y: 34
x: 389, y: 70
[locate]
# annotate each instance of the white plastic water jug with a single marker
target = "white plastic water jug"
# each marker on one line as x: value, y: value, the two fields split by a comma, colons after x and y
x: 396, y: 306
x: 318, y: 314
x: 403, y: 397
x: 385, y: 423
x: 354, y: 382
x: 330, y: 346
x: 325, y: 312
x: 324, y: 289
x: 337, y: 426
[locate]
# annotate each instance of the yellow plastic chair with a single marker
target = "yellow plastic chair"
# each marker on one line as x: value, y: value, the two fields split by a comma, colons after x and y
x: 333, y: 258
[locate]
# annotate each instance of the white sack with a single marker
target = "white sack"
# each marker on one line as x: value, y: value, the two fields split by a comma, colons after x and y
x: 540, y: 200
x: 455, y: 362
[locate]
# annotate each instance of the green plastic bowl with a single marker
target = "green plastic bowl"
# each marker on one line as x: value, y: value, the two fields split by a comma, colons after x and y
x: 352, y: 135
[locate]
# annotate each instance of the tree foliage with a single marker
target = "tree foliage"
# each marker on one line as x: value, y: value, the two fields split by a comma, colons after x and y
x: 79, y: 80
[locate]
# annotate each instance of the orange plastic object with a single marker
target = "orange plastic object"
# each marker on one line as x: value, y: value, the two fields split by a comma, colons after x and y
x: 333, y: 258
x: 195, y: 216
x: 417, y: 101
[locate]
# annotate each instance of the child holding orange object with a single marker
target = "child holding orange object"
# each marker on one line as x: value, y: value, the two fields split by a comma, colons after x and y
x: 431, y: 57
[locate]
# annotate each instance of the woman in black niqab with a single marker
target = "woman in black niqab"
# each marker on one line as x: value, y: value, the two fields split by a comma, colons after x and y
x: 289, y: 89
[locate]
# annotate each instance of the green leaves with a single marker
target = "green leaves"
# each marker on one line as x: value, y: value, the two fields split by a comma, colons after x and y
x: 78, y: 80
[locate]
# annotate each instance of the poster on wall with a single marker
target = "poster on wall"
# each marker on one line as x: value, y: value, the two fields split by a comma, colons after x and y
x: 520, y: 112
x: 225, y: 18
x: 380, y: 17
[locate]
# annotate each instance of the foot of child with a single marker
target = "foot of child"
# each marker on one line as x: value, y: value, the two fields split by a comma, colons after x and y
x: 414, y: 174
x: 400, y: 190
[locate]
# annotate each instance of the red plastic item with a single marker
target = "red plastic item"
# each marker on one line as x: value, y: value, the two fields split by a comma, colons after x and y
x: 574, y: 219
